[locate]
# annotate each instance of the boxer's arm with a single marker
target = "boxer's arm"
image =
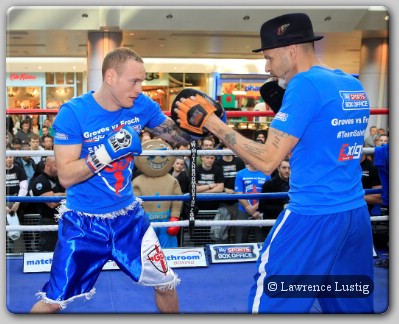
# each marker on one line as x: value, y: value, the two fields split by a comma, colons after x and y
x: 71, y: 168
x: 264, y: 157
x: 169, y: 132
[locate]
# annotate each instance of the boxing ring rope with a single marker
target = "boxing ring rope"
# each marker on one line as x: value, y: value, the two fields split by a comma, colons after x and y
x: 186, y: 197
x: 229, y: 113
x: 184, y: 223
x: 215, y: 152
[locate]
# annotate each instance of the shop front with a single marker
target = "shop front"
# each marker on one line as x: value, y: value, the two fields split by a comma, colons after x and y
x: 45, y: 90
x: 240, y: 92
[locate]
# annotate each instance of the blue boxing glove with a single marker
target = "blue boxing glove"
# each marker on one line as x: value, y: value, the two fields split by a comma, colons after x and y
x: 120, y: 142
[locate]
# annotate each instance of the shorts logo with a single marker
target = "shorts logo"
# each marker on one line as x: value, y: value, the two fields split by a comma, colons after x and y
x: 158, y: 260
x: 350, y: 152
x: 354, y: 100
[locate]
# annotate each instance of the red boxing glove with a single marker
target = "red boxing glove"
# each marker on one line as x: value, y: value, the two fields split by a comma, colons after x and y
x: 173, y: 231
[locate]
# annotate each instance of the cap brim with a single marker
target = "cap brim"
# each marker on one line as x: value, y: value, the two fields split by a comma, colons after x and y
x: 316, y: 38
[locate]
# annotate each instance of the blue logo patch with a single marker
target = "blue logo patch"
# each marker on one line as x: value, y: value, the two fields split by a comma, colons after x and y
x: 354, y: 100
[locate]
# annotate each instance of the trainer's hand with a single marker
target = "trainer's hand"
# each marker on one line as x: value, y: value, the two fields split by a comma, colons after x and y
x: 173, y: 231
x: 193, y: 112
x: 120, y: 142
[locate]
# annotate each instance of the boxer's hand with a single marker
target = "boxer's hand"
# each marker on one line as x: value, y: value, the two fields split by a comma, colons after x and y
x: 193, y: 113
x: 173, y: 231
x: 120, y: 142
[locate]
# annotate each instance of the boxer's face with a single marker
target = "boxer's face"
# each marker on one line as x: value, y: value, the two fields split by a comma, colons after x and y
x: 126, y: 84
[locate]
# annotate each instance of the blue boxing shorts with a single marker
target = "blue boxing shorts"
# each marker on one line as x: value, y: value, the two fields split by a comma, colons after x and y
x: 86, y: 243
x: 304, y: 252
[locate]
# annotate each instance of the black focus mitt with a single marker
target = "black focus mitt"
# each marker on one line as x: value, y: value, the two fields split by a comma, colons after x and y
x: 272, y: 94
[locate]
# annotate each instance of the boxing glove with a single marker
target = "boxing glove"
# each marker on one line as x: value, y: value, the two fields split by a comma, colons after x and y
x: 173, y: 231
x: 118, y: 143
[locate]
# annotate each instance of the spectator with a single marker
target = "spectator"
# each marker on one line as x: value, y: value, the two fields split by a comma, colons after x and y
x: 207, y: 143
x: 230, y: 165
x: 249, y: 180
x: 383, y: 139
x: 15, y: 122
x: 261, y: 135
x: 209, y: 179
x: 16, y: 185
x: 26, y: 162
x: 34, y: 142
x: 9, y: 138
x: 178, y: 172
x: 187, y: 162
x: 43, y: 132
x: 48, y: 142
x: 48, y: 124
x: 381, y: 131
x: 16, y: 143
x: 9, y: 125
x: 35, y: 126
x: 46, y: 184
x: 381, y: 162
x: 369, y: 140
x: 25, y: 132
x: 271, y: 208
x: 376, y: 140
x: 48, y: 145
x: 371, y: 180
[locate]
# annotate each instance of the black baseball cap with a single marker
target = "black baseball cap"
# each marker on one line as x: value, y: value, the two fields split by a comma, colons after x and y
x: 289, y: 29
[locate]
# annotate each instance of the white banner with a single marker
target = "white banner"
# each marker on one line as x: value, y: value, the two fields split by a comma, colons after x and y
x: 176, y: 258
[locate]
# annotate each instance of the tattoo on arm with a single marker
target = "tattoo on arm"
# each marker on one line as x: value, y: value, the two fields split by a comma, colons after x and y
x: 169, y: 132
x: 254, y: 148
x: 231, y: 139
x: 278, y: 135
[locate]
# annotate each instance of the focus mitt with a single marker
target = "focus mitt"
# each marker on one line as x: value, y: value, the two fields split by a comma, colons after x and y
x: 272, y: 94
x: 194, y: 113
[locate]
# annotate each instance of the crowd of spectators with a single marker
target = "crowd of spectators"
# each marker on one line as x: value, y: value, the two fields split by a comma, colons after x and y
x: 25, y: 177
x: 215, y: 174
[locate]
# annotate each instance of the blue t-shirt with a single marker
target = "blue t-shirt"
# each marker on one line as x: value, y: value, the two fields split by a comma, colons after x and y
x: 328, y: 111
x: 83, y: 121
x: 248, y: 181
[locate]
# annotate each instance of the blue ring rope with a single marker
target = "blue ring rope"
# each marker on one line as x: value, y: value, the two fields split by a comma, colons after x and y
x: 185, y: 197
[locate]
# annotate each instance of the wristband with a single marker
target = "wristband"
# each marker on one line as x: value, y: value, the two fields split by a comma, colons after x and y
x: 98, y: 160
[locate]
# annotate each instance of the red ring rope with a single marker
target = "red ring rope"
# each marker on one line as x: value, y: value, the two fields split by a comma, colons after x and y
x: 229, y: 113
